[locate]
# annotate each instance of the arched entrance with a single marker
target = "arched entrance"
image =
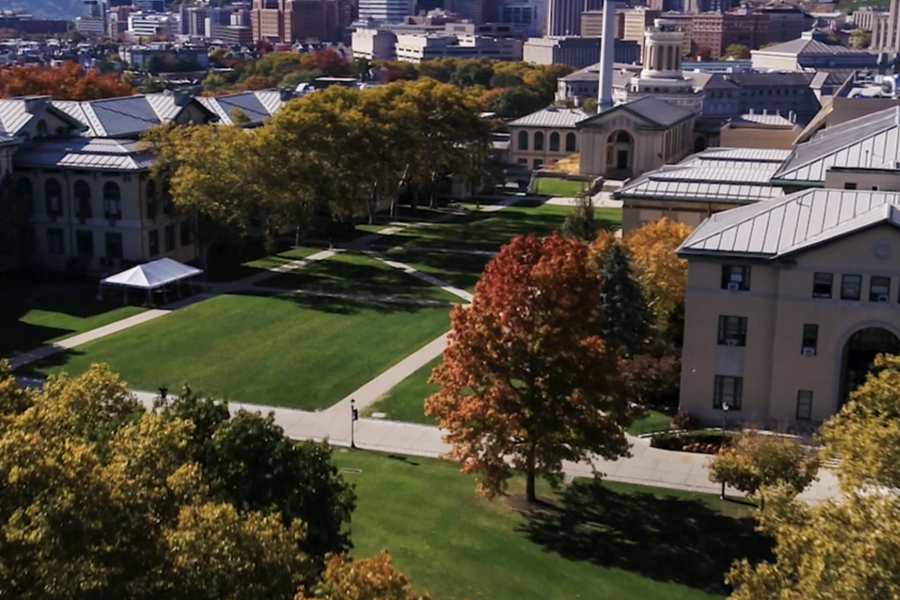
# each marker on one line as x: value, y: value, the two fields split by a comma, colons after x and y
x: 619, y: 152
x: 859, y: 356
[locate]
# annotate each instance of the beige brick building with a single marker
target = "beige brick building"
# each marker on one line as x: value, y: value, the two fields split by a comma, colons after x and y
x: 544, y: 137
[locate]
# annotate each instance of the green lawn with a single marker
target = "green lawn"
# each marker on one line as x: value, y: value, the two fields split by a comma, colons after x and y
x: 36, y: 315
x: 300, y: 352
x: 607, y: 540
x: 489, y: 231
x: 551, y: 186
x: 460, y: 270
x: 653, y: 421
x: 230, y: 269
x: 353, y: 273
x: 405, y: 402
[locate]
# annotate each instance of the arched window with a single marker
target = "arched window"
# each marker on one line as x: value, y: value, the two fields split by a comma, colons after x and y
x: 619, y: 150
x: 151, y: 199
x: 523, y: 140
x: 25, y: 195
x: 570, y: 142
x: 53, y: 197
x: 539, y: 140
x: 42, y: 128
x: 112, y: 200
x: 82, y: 192
x: 168, y: 203
x: 554, y: 142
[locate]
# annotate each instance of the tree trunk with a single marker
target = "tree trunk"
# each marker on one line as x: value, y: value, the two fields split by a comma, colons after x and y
x: 530, y: 494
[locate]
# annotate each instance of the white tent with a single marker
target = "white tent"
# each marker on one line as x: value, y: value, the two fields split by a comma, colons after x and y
x: 152, y: 275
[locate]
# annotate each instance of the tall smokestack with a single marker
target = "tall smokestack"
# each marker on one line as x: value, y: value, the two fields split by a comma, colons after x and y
x: 607, y: 51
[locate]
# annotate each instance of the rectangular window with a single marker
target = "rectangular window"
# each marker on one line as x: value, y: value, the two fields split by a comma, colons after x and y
x: 851, y: 287
x: 735, y: 277
x: 849, y: 186
x: 114, y: 245
x: 732, y: 331
x: 56, y: 241
x: 728, y: 390
x: 153, y: 237
x: 170, y: 237
x: 804, y: 405
x: 879, y: 289
x: 809, y: 345
x: 822, y: 283
x: 84, y: 242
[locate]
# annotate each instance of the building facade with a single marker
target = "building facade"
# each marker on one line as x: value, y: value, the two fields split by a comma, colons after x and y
x: 592, y: 24
x: 389, y: 11
x: 564, y: 17
x: 788, y: 303
x: 418, y: 48
x: 578, y: 52
x: 541, y: 139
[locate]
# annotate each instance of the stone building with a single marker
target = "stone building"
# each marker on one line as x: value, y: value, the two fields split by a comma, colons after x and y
x: 544, y: 137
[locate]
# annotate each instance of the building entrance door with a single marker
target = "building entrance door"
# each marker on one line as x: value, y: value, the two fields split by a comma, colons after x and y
x: 859, y: 357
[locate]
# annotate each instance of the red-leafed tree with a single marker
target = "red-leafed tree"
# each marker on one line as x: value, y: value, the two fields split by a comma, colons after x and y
x: 526, y: 383
x: 70, y: 81
x: 329, y: 62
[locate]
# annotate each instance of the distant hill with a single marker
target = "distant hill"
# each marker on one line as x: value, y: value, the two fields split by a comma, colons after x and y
x: 47, y: 9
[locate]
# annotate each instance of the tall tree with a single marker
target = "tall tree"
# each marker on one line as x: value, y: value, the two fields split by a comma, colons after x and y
x: 525, y: 382
x: 69, y: 81
x: 624, y: 324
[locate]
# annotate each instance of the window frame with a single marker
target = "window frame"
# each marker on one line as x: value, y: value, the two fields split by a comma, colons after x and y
x: 54, y: 235
x: 728, y: 277
x: 153, y: 242
x: 734, y: 403
x: 740, y: 328
x: 80, y: 235
x: 844, y: 279
x: 873, y: 296
x: 809, y: 338
x: 807, y: 397
x: 169, y: 237
x: 816, y: 291
x: 114, y: 235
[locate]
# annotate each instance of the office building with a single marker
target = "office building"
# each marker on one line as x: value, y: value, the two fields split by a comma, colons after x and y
x: 564, y: 17
x: 576, y: 52
x: 592, y: 24
x: 389, y: 11
x: 416, y: 48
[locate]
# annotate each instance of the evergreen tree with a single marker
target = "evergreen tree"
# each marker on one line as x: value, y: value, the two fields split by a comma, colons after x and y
x: 580, y: 222
x: 624, y: 314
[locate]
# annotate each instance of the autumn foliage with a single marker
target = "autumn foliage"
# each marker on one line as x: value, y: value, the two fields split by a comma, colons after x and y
x: 67, y: 82
x: 365, y: 579
x: 525, y: 382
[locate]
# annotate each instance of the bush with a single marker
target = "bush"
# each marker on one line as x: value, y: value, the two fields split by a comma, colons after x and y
x: 684, y: 420
x: 705, y: 442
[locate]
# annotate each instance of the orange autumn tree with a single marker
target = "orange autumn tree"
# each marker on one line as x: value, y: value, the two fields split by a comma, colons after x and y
x: 70, y: 81
x: 362, y: 579
x: 525, y: 382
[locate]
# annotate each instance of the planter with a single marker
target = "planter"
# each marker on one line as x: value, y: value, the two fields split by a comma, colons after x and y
x: 700, y: 442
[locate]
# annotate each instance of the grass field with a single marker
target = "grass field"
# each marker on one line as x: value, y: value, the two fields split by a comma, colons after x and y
x: 460, y: 270
x: 232, y: 269
x: 608, y: 540
x: 653, y: 421
x: 300, y: 352
x: 353, y: 273
x: 405, y: 402
x: 31, y: 316
x: 551, y: 186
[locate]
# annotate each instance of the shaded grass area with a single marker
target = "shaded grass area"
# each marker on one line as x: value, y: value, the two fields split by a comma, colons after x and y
x: 299, y: 352
x: 352, y: 273
x: 490, y: 231
x: 653, y: 421
x: 460, y: 270
x: 232, y: 270
x: 406, y: 401
x: 31, y: 316
x: 552, y: 186
x: 607, y: 540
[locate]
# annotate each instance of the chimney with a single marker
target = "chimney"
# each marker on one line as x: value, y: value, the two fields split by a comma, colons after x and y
x: 607, y: 51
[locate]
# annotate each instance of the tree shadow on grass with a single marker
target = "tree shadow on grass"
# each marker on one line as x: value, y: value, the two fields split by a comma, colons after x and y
x: 340, y: 306
x: 666, y: 539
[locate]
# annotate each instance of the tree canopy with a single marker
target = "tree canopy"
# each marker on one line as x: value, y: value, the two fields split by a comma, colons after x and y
x: 70, y: 81
x: 526, y: 382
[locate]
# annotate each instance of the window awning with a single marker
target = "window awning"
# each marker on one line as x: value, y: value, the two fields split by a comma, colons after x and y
x: 152, y: 275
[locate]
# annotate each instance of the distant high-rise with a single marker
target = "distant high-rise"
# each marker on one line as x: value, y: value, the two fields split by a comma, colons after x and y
x: 389, y: 11
x: 292, y: 20
x: 564, y: 17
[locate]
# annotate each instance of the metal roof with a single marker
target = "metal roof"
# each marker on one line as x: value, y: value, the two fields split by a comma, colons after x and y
x: 16, y: 113
x: 806, y: 45
x: 871, y: 141
x: 84, y: 153
x: 764, y: 119
x: 792, y: 224
x: 552, y: 116
x: 258, y: 106
x: 125, y: 117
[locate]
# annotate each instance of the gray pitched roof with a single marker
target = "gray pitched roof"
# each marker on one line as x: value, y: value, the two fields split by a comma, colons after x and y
x: 84, y: 154
x: 17, y: 113
x: 258, y: 106
x: 871, y: 141
x: 722, y: 175
x: 126, y: 117
x: 552, y: 116
x: 655, y: 111
x: 809, y: 45
x: 791, y: 224
x: 765, y: 119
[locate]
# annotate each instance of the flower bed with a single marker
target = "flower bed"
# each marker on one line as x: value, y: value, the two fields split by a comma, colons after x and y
x: 702, y: 442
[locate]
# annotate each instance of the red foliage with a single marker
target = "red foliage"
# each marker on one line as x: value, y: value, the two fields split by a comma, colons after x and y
x: 67, y: 82
x: 329, y: 62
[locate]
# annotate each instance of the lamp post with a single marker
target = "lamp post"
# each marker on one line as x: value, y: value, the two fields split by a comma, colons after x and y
x: 725, y: 407
x: 354, y: 417
x: 163, y: 391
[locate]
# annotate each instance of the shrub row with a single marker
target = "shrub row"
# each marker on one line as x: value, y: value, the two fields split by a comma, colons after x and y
x: 705, y: 442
